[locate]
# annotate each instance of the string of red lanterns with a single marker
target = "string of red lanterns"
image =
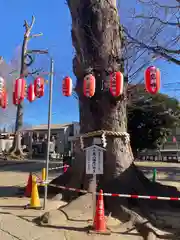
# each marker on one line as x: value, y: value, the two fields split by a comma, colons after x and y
x: 89, y: 85
x: 36, y: 89
x: 33, y: 91
x: 21, y: 91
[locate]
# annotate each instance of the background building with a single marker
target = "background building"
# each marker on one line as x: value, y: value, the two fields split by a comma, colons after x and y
x: 173, y: 141
x: 61, y: 134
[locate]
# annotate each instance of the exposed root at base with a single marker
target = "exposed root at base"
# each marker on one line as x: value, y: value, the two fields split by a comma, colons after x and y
x: 15, y: 153
x: 145, y: 215
x: 81, y: 207
x: 144, y: 226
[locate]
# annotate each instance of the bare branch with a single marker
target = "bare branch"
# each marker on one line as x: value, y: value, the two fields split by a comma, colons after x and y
x: 26, y: 25
x: 74, y: 94
x: 37, y: 71
x: 157, y: 50
x: 32, y: 23
x: 171, y: 51
x: 36, y: 35
x: 139, y: 69
x: 159, y: 5
x: 37, y: 51
x: 175, y: 24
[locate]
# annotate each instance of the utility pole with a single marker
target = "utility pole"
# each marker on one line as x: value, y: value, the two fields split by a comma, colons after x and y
x: 49, y: 129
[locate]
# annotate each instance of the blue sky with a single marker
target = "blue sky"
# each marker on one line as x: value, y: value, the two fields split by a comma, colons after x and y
x: 53, y: 20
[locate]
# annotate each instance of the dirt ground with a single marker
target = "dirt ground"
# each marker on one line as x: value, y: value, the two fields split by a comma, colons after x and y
x: 167, y: 173
x: 72, y: 222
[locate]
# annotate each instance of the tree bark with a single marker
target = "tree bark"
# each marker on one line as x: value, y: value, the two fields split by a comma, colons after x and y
x: 98, y: 43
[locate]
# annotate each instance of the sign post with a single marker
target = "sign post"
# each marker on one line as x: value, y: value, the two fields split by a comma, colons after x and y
x: 94, y: 166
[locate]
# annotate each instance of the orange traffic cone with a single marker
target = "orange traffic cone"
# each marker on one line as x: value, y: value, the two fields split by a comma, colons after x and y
x: 99, y: 224
x: 28, y: 186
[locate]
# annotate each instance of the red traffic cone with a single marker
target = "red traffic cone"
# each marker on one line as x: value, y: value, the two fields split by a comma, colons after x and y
x: 28, y: 186
x: 99, y: 224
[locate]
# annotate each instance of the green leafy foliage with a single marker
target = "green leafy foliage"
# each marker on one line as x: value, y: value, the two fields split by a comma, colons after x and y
x: 151, y: 119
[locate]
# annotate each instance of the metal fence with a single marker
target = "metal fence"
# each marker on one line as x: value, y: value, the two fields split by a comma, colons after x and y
x: 166, y: 155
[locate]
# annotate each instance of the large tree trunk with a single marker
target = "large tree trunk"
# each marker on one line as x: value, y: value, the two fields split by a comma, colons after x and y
x: 98, y: 42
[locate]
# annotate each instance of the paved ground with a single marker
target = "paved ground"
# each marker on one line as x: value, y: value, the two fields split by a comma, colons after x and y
x: 167, y: 173
x: 16, y: 222
x: 13, y: 176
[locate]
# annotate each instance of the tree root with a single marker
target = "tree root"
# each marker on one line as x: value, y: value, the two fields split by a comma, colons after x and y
x: 16, y: 153
x: 143, y: 225
x: 145, y: 215
x: 82, y: 205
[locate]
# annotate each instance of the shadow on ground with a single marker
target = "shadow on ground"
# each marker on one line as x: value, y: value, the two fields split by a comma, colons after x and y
x: 9, y: 191
x: 69, y: 228
x: 163, y: 173
x: 86, y: 229
x: 25, y: 166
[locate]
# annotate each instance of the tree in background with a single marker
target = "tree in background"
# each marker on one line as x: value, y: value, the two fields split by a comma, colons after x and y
x: 34, y: 64
x: 23, y: 69
x: 161, y: 19
x: 151, y: 119
x: 100, y: 44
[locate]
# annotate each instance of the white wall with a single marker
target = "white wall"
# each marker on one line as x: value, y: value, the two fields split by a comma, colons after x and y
x: 76, y: 128
x: 5, y: 144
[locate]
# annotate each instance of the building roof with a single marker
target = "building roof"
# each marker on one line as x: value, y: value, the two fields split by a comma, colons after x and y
x: 45, y: 126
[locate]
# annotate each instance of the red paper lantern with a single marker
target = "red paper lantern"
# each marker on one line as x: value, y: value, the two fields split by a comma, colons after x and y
x: 19, y: 90
x: 2, y: 83
x: 116, y: 83
x: 67, y: 86
x: 152, y: 79
x: 4, y: 100
x: 39, y: 87
x: 15, y: 101
x: 1, y: 97
x: 30, y: 93
x: 89, y: 85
